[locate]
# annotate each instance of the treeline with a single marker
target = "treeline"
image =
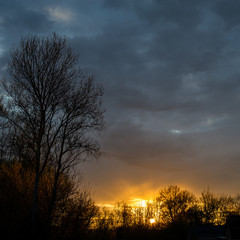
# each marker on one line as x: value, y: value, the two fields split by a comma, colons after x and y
x: 76, y: 216
x: 168, y: 216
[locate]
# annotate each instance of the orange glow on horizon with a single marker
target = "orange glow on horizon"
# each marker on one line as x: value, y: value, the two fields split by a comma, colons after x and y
x: 139, y: 196
x: 139, y: 202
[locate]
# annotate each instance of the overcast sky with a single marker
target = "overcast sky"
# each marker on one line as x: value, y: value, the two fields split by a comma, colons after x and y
x: 170, y: 70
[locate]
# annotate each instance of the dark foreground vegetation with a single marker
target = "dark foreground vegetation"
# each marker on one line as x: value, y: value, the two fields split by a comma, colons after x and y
x: 76, y: 216
x: 50, y: 113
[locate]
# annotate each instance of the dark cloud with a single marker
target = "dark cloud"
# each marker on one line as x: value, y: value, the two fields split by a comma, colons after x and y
x: 171, y: 74
x: 228, y: 12
x: 30, y: 21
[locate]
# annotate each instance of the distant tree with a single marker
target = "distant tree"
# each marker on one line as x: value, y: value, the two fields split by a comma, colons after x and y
x: 174, y: 203
x: 54, y: 108
x: 236, y: 204
x: 77, y: 216
x: 123, y: 213
x: 210, y: 205
x: 150, y: 212
x: 216, y: 208
x: 106, y: 220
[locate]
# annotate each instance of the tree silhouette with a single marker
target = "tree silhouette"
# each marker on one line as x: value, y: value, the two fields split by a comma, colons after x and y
x: 54, y: 108
x: 174, y: 203
x: 216, y: 208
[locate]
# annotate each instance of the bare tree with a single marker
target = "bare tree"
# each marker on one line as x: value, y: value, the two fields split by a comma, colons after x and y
x: 54, y: 106
x: 216, y: 207
x: 175, y: 202
x: 78, y: 215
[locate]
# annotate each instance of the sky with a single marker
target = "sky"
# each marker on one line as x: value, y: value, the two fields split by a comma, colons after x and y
x: 171, y: 76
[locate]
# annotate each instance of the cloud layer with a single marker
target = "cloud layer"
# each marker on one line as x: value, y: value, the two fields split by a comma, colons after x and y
x: 171, y: 75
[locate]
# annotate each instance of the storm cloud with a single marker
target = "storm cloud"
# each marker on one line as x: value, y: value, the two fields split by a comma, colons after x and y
x: 170, y: 70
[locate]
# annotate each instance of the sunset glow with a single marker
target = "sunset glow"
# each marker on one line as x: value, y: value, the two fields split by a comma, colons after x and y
x: 152, y: 220
x: 140, y: 203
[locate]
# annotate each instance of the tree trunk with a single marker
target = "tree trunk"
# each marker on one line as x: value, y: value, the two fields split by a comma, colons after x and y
x: 35, y: 206
x: 52, y: 203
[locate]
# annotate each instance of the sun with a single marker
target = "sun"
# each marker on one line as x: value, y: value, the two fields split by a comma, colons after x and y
x: 152, y: 220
